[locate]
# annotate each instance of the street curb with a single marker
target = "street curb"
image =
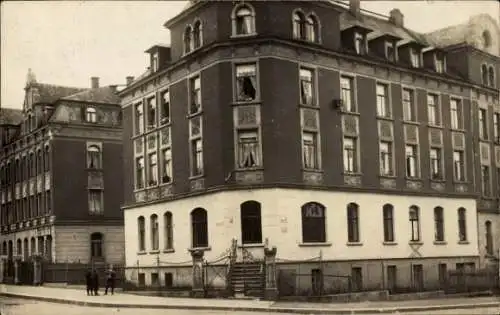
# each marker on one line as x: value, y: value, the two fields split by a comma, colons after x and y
x: 268, y: 309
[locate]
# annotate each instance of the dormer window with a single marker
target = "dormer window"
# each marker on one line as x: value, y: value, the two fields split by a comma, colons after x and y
x: 439, y: 63
x: 415, y: 58
x: 187, y: 40
x: 90, y: 115
x: 390, y: 51
x: 243, y: 20
x: 197, y: 35
x: 155, y: 62
x: 360, y: 44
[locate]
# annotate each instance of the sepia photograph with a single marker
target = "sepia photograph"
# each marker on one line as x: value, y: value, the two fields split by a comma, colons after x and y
x: 250, y: 157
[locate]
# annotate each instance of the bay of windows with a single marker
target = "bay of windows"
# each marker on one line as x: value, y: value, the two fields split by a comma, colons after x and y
x: 347, y: 95
x: 350, y: 155
x: 306, y: 87
x: 436, y: 163
x: 383, y: 106
x: 248, y: 149
x: 386, y: 158
x: 458, y: 165
x: 310, y: 150
x: 409, y: 105
x: 246, y: 82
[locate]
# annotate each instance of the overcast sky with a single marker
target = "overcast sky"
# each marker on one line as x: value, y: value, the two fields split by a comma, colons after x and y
x: 67, y: 42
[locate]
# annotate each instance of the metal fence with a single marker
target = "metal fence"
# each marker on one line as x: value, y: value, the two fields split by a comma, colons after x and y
x: 74, y: 273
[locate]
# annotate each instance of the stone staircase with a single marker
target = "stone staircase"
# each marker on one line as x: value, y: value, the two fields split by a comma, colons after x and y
x: 248, y: 279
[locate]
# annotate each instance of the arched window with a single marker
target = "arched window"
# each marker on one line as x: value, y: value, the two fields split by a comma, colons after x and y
x: 19, y: 247
x: 26, y: 249
x: 491, y: 76
x: 90, y: 114
x: 96, y: 245
x: 199, y: 228
x: 4, y: 248
x: 414, y: 224
x: 299, y: 25
x: 243, y: 20
x: 169, y: 230
x: 489, y: 238
x: 484, y: 74
x: 197, y: 34
x: 93, y: 157
x: 352, y: 223
x: 438, y: 224
x: 10, y: 250
x: 251, y: 227
x: 388, y: 214
x: 462, y: 225
x: 313, y: 223
x: 141, y: 225
x: 154, y: 232
x: 187, y: 39
x: 312, y: 28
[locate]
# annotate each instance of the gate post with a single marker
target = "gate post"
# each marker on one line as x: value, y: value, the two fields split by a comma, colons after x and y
x: 198, y: 289
x: 37, y: 270
x: 270, y: 291
x: 3, y: 267
x: 17, y: 269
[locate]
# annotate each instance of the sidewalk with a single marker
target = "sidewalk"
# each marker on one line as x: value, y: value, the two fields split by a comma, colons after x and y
x: 123, y: 300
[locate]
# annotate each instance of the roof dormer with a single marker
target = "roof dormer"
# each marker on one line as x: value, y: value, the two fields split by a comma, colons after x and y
x: 385, y: 46
x: 354, y: 38
x: 159, y: 57
x: 435, y: 59
x: 410, y: 52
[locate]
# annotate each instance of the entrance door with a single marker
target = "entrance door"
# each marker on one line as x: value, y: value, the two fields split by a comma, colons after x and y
x: 251, y: 226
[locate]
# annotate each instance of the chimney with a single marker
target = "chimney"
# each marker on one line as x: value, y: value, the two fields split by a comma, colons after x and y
x: 396, y: 17
x: 130, y: 79
x: 355, y: 7
x: 94, y: 82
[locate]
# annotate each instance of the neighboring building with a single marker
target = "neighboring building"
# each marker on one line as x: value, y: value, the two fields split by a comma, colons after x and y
x: 61, y: 174
x: 310, y: 127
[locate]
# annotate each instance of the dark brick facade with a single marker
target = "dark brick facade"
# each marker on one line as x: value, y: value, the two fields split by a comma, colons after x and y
x: 278, y: 57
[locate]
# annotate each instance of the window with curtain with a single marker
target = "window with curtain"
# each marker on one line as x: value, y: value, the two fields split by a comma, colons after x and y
x: 306, y: 87
x: 246, y: 82
x: 244, y: 21
x: 248, y: 149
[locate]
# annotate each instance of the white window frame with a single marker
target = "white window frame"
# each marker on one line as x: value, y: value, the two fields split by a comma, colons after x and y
x: 384, y: 155
x: 411, y: 103
x: 255, y: 65
x: 345, y: 158
x: 383, y: 110
x: 416, y: 155
x: 352, y: 107
x: 234, y: 23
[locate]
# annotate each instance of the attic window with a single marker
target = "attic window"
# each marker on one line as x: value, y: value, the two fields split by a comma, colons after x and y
x: 415, y: 58
x: 90, y: 115
x: 390, y: 51
x: 155, y: 62
x: 359, y: 44
x: 439, y: 63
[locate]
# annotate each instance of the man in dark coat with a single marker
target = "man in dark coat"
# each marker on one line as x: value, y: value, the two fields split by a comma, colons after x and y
x: 95, y: 282
x: 110, y: 281
x: 88, y: 280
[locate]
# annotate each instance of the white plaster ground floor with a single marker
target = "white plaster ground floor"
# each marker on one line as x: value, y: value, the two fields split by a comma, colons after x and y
x: 344, y: 228
x: 67, y: 244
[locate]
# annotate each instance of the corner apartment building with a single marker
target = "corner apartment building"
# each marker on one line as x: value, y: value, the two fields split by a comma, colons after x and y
x: 312, y: 127
x: 60, y: 172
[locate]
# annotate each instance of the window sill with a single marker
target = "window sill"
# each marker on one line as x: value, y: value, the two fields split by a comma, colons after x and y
x: 313, y: 106
x: 441, y: 181
x: 154, y: 252
x: 457, y: 129
x: 389, y: 243
x: 243, y: 35
x: 250, y: 102
x: 351, y: 173
x: 250, y: 169
x: 415, y: 243
x: 434, y: 126
x: 460, y: 182
x: 463, y: 243
x: 312, y: 170
x: 170, y: 183
x: 417, y: 179
x: 346, y: 112
x: 193, y: 249
x: 100, y: 169
x: 388, y: 176
x: 354, y: 244
x: 192, y: 115
x: 440, y: 243
x: 313, y: 244
x: 252, y: 245
x: 196, y: 177
x: 168, y: 250
x: 142, y: 252
x: 411, y: 122
x: 385, y: 118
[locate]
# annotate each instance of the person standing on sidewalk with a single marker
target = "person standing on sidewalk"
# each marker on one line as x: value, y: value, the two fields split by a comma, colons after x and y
x: 95, y: 282
x: 110, y: 281
x: 88, y: 280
